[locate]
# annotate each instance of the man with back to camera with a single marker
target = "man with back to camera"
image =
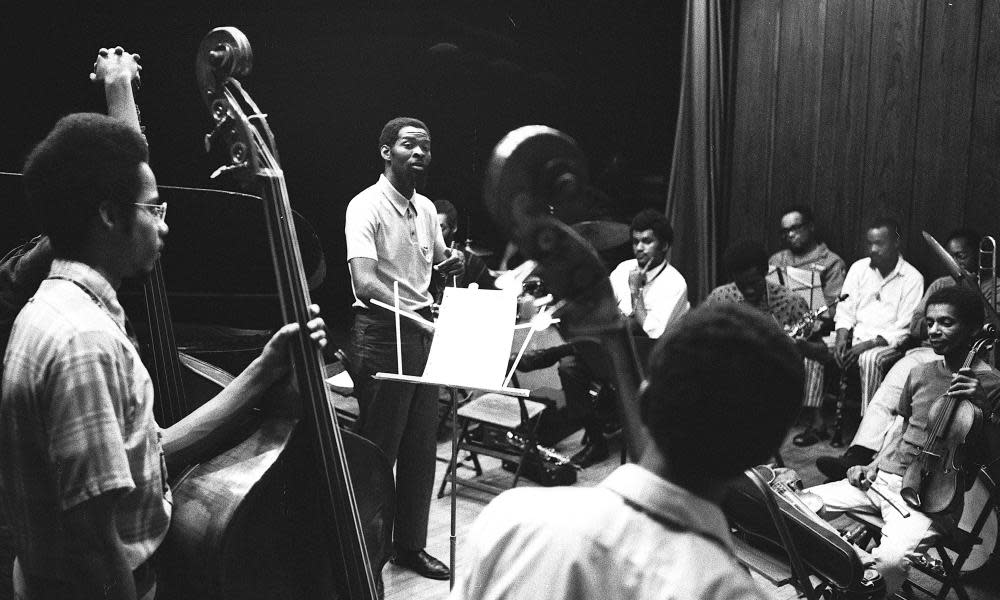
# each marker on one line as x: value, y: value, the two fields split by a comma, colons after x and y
x: 746, y: 263
x: 653, y: 529
x: 393, y: 236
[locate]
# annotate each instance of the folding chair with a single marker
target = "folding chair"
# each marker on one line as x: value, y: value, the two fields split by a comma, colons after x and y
x: 508, y: 414
x: 953, y: 549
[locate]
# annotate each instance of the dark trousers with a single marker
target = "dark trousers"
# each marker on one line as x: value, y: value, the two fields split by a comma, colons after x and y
x: 399, y: 418
x: 589, y: 400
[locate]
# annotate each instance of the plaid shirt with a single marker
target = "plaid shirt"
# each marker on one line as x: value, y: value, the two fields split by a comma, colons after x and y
x: 76, y: 422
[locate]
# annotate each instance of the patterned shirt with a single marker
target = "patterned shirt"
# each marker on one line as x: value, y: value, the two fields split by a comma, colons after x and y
x: 784, y: 305
x: 76, y: 422
x: 634, y: 536
x: 401, y: 234
x: 831, y: 268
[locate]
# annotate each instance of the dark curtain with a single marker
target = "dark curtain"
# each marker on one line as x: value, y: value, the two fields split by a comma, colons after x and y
x: 696, y: 182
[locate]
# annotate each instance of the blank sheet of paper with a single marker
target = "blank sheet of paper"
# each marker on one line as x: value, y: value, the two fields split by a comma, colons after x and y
x: 472, y: 337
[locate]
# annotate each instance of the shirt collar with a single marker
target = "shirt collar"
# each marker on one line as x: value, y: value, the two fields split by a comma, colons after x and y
x: 92, y: 282
x: 398, y: 201
x: 893, y: 273
x: 661, y: 497
x: 655, y: 271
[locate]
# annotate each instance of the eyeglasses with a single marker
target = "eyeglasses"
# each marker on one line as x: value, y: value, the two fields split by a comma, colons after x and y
x: 158, y: 210
x: 792, y: 229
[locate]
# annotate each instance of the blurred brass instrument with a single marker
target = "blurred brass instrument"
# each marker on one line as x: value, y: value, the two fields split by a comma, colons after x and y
x: 988, y: 265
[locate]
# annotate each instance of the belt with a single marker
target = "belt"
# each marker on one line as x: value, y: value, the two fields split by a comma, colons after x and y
x: 383, y: 313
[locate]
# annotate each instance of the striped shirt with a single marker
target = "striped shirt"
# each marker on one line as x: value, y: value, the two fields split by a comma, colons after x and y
x: 76, y: 422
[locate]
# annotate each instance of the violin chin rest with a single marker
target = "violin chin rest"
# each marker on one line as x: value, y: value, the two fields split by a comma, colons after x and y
x: 911, y: 497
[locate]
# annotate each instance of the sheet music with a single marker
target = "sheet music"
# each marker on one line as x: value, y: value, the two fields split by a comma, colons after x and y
x: 472, y: 337
x: 804, y: 282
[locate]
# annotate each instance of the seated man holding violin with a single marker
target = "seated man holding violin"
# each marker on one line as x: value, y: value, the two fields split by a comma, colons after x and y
x: 896, y: 476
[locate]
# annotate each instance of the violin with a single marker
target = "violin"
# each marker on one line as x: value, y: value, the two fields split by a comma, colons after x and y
x: 935, y: 480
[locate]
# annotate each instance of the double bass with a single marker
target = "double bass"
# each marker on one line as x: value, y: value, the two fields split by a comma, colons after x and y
x: 299, y: 508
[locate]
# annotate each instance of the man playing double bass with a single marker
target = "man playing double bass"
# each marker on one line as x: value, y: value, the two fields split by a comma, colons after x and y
x: 954, y: 317
x: 82, y: 462
x: 393, y: 237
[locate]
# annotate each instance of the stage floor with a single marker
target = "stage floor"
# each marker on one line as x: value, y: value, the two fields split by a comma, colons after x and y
x: 405, y: 585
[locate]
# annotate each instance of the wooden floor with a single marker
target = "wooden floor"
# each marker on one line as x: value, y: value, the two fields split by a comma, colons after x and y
x: 404, y: 585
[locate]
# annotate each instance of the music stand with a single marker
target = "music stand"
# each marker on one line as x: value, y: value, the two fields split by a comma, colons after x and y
x: 459, y: 323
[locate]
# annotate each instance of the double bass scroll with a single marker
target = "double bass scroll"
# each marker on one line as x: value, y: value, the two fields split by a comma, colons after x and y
x: 533, y: 169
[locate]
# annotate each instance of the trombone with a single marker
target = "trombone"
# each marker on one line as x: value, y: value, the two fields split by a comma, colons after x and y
x: 987, y: 271
x: 988, y: 266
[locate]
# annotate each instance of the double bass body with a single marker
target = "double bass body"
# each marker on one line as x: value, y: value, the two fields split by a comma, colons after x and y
x: 247, y: 523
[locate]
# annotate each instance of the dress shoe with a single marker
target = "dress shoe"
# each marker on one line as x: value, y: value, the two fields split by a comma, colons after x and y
x: 591, y: 454
x: 809, y: 436
x: 422, y: 564
x: 835, y: 467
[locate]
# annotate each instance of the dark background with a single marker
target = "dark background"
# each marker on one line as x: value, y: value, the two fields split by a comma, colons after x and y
x: 329, y: 75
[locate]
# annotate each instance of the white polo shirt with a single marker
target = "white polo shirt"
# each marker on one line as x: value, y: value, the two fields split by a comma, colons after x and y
x: 401, y: 234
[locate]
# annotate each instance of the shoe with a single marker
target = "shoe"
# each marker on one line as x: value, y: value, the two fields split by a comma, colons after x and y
x: 422, y: 564
x: 590, y: 455
x: 810, y: 436
x: 835, y: 467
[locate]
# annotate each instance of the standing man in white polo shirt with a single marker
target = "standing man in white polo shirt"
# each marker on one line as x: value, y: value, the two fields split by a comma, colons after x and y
x: 393, y: 236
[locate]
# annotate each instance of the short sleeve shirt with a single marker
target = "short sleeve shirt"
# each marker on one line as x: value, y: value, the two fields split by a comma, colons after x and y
x: 76, y: 422
x: 401, y: 234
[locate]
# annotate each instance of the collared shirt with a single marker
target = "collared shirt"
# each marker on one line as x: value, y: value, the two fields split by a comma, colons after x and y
x: 783, y: 304
x: 924, y: 385
x: 76, y: 422
x: 879, y: 306
x: 633, y: 536
x: 401, y: 234
x: 664, y: 295
x: 831, y: 269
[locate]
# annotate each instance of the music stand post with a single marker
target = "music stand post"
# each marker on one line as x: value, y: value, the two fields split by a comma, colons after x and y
x: 453, y: 462
x: 445, y: 346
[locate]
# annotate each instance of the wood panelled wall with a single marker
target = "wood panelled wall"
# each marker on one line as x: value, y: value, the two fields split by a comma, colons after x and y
x: 862, y: 109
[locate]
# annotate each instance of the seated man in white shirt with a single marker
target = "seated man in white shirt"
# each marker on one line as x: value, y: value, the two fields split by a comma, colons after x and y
x: 652, y: 294
x: 873, y: 321
x: 653, y: 529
